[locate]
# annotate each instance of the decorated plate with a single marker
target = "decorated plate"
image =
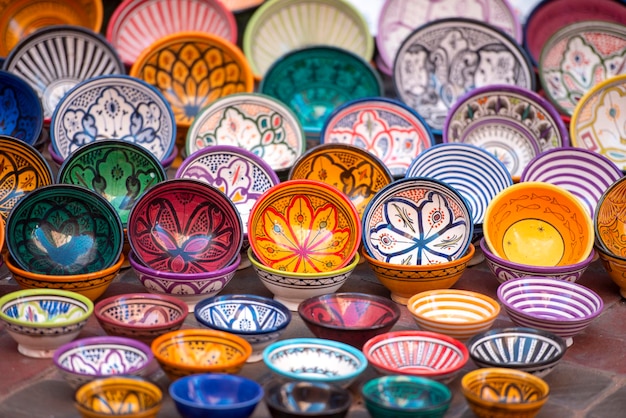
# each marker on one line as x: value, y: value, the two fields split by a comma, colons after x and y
x: 417, y: 221
x: 251, y: 121
x: 21, y: 113
x: 610, y: 225
x: 388, y: 129
x: 442, y: 60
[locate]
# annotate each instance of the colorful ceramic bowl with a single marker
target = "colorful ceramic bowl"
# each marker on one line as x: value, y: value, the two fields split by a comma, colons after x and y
x: 193, y: 69
x: 280, y: 26
x: 416, y: 353
x: 615, y: 268
x: 251, y: 121
x: 242, y: 7
x: 316, y: 80
x: 386, y: 128
x: 315, y: 360
x: 22, y: 113
x: 117, y: 170
x: 610, y: 219
x: 136, y: 24
x: 417, y: 221
x: 538, y: 224
x: 304, y: 226
x: 192, y: 351
x: 41, y: 320
x: 113, y: 107
x: 142, y: 316
x: 55, y: 59
x: 256, y: 319
x: 307, y: 399
x: 351, y: 169
x: 504, y: 392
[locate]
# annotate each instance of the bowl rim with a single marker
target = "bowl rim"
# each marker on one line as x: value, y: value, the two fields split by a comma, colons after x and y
x: 124, y: 298
x: 71, y: 278
x: 471, y: 250
x: 428, y: 294
x: 256, y: 263
x: 195, y: 379
x: 519, y: 375
x: 419, y: 381
x: 275, y: 385
x: 613, y: 258
x: 137, y: 383
x: 142, y: 269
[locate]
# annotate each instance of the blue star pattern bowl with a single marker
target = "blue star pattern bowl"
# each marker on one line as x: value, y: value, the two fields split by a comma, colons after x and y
x: 21, y: 113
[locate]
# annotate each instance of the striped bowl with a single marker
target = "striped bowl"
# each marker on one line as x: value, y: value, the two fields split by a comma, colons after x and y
x: 457, y: 313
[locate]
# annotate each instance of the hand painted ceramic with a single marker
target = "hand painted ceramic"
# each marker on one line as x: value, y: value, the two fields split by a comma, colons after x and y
x: 241, y: 6
x: 252, y: 121
x: 523, y: 8
x: 370, y: 11
x: 18, y: 18
x: 113, y: 107
x: 315, y: 360
x: 388, y: 129
x: 538, y: 224
x: 610, y: 219
x: 316, y: 80
x: 21, y: 113
x: 41, y: 320
x: 585, y: 174
x: 307, y: 399
x: 442, y: 60
x: 89, y: 358
x: 279, y: 27
x: 55, y: 59
x: 193, y: 69
x: 256, y: 319
x: 64, y: 229
x: 117, y: 170
x: 353, y: 170
x: 417, y: 221
x: 136, y: 24
x: 24, y: 169
x: 192, y: 351
x: 615, y: 267
x: 398, y: 18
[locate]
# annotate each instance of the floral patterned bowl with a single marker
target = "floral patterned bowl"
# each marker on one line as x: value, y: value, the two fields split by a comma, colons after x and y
x: 22, y: 113
x: 610, y: 219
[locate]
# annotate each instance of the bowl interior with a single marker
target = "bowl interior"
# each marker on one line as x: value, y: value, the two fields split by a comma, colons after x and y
x: 406, y: 393
x: 45, y: 308
x: 119, y: 396
x: 220, y: 391
x: 610, y: 225
x: 504, y: 386
x: 453, y: 306
x: 22, y: 110
x: 141, y: 311
x: 307, y: 398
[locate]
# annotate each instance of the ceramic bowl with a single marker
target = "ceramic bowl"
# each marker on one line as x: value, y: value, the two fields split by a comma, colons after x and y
x: 54, y: 59
x: 351, y: 318
x: 304, y: 226
x: 610, y: 219
x: 113, y: 107
x: 315, y: 360
x: 417, y: 221
x: 86, y: 359
x: 307, y: 399
x: 41, y: 320
x: 191, y: 288
x: 562, y: 308
x: 291, y: 289
x: 117, y: 170
x: 294, y: 24
x: 199, y: 69
x: 538, y: 224
x: 316, y: 80
x: 405, y: 281
x: 192, y: 351
x: 119, y: 396
x: 526, y: 349
x: 615, y: 268
x: 256, y: 319
x: 406, y: 396
x: 416, y: 353
x: 142, y: 316
x: 185, y: 226
x: 251, y: 121
x: 22, y: 113
x: 215, y: 395
x: 351, y: 169
x: 136, y: 24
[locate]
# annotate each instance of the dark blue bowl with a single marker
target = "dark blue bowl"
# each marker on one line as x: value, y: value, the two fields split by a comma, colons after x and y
x: 21, y: 112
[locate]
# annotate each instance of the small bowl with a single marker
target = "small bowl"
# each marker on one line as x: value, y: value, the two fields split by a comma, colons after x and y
x: 41, y: 320
x: 350, y: 318
x: 86, y: 359
x: 256, y: 319
x: 615, y: 268
x: 307, y: 399
x: 22, y: 113
x: 118, y: 396
x: 459, y: 314
x: 315, y: 360
x: 215, y: 395
x: 610, y: 220
x: 504, y: 393
x: 142, y: 316
x: 191, y: 351
x: 406, y: 397
x: 417, y: 353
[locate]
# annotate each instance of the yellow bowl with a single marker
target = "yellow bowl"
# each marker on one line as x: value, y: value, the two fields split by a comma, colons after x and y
x: 615, y: 267
x: 610, y: 219
x: 538, y: 224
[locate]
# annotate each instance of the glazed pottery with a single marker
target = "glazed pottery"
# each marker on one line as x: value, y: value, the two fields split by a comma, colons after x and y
x: 417, y: 221
x: 307, y: 399
x: 22, y: 113
x: 388, y: 129
x: 315, y: 360
x: 256, y: 319
x: 113, y: 107
x: 185, y: 226
x: 41, y: 320
x: 610, y: 219
x: 615, y: 268
x: 239, y: 7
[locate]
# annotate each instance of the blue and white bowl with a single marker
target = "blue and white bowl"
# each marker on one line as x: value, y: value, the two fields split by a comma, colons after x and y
x: 21, y: 113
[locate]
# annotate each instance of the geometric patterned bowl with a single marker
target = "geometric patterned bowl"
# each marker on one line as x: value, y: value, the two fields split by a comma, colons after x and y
x: 22, y: 113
